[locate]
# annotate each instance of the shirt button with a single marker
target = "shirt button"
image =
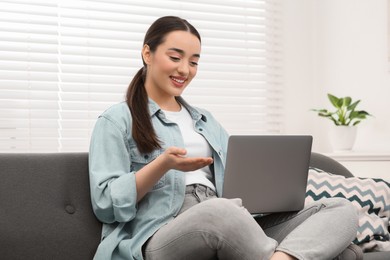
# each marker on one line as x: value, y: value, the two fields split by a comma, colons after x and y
x: 146, y: 156
x: 201, y: 129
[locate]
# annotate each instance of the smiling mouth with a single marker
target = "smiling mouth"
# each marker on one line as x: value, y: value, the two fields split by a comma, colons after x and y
x: 177, y: 80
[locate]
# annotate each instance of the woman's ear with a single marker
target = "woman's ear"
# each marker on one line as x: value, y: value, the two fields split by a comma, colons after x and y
x: 146, y: 54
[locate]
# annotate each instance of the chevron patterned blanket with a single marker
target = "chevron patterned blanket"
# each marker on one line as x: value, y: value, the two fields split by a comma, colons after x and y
x: 371, y: 197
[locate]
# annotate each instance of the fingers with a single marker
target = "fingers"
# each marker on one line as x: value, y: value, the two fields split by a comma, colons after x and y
x: 175, y: 158
x: 176, y: 151
x: 193, y: 163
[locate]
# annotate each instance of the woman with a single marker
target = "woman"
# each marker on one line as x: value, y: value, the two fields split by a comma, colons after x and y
x: 156, y: 172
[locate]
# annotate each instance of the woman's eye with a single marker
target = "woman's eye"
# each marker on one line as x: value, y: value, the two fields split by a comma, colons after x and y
x: 193, y: 63
x: 174, y: 58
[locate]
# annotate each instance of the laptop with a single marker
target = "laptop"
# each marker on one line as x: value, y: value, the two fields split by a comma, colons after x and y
x: 268, y: 172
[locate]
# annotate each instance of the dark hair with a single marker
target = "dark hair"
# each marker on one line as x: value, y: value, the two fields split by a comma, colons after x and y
x: 136, y: 97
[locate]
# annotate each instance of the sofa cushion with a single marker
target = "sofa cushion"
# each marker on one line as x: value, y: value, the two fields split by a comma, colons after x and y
x: 371, y: 197
x: 45, y: 205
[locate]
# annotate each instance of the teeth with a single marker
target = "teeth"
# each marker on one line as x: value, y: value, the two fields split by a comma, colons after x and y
x: 178, y: 80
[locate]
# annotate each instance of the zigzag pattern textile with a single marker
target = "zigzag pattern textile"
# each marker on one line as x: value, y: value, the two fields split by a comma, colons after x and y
x: 371, y: 197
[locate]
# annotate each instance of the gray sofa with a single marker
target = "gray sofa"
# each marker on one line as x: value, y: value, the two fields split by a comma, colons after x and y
x: 45, y: 210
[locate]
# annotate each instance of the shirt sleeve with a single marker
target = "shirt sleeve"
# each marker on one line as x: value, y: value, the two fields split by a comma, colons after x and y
x: 113, y: 186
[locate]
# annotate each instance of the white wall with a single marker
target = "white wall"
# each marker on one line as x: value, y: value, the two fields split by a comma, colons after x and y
x: 338, y: 47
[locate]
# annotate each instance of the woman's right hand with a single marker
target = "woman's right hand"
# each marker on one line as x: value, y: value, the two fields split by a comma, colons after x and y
x: 175, y: 158
x: 172, y: 158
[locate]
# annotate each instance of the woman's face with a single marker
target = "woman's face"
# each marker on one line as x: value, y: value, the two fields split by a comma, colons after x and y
x: 172, y: 66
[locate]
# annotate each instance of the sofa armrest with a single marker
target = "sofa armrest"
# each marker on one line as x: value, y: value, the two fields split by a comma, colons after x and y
x: 328, y: 164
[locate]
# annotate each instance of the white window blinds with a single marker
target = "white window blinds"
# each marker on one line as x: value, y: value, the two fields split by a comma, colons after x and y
x: 63, y: 62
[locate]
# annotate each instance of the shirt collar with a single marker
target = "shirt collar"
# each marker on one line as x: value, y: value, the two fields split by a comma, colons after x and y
x: 154, y: 109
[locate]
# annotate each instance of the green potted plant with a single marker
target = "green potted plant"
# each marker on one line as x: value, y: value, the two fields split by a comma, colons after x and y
x: 345, y: 118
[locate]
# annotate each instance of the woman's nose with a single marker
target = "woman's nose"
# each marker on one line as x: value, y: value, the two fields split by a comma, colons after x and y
x: 183, y: 68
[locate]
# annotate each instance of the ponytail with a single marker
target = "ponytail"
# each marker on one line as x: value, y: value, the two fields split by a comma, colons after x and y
x: 142, y: 129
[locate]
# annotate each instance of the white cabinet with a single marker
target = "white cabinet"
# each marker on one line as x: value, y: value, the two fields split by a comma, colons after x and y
x: 365, y: 164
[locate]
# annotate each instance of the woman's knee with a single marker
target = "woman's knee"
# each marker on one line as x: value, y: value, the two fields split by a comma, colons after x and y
x: 231, y: 223
x: 226, y: 218
x: 345, y: 213
x: 349, y: 209
x: 343, y: 205
x: 222, y: 211
x: 222, y: 205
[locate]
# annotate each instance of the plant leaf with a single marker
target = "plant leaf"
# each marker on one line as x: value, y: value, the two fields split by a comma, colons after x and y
x: 334, y: 100
x: 347, y: 101
x: 320, y: 110
x: 353, y: 114
x: 362, y: 112
x: 353, y: 106
x: 340, y: 103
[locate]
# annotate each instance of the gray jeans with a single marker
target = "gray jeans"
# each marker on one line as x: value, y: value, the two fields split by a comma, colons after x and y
x: 208, y: 227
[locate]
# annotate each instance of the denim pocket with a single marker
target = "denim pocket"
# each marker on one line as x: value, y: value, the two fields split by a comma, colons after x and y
x: 139, y: 160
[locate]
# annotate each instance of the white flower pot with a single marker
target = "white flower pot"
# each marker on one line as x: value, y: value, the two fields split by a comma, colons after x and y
x: 342, y: 138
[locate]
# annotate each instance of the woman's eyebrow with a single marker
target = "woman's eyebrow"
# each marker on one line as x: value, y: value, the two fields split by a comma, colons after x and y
x: 183, y: 52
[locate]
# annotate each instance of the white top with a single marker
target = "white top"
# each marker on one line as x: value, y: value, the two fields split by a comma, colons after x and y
x: 195, y: 144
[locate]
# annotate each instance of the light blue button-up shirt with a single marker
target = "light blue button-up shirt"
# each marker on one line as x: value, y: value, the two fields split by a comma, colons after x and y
x: 113, y: 160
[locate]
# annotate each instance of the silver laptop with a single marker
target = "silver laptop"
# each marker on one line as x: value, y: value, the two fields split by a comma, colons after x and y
x: 268, y: 172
